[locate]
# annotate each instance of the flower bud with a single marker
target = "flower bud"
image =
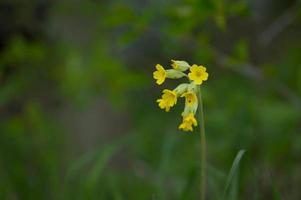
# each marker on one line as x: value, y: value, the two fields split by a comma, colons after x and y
x: 180, y: 65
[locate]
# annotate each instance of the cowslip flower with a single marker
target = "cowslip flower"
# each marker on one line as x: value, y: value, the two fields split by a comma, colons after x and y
x: 188, y: 122
x: 198, y: 74
x: 191, y: 105
x: 188, y: 90
x: 168, y: 100
x: 161, y: 74
x: 169, y: 97
x: 190, y: 98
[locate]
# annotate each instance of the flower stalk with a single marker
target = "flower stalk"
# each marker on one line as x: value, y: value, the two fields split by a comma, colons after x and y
x: 191, y: 91
x: 202, y: 147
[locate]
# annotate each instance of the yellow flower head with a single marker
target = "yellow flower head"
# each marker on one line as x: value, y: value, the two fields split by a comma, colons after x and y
x: 186, y: 126
x: 198, y: 74
x: 168, y: 100
x: 188, y: 122
x: 190, y: 90
x: 160, y: 74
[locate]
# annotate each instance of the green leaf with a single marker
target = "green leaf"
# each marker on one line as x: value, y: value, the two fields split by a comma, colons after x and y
x: 233, y: 171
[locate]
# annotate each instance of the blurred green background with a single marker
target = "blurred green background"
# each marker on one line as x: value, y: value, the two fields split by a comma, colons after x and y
x: 78, y: 117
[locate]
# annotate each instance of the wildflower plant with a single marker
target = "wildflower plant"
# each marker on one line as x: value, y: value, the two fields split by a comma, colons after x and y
x: 190, y: 91
x: 196, y: 75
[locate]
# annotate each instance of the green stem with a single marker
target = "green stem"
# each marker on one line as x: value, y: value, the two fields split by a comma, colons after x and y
x: 203, y: 146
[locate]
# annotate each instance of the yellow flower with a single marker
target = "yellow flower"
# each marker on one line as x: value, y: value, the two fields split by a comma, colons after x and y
x: 188, y: 122
x: 160, y: 74
x: 190, y: 98
x: 186, y: 126
x: 191, y: 103
x: 198, y: 74
x: 168, y: 100
x: 180, y: 65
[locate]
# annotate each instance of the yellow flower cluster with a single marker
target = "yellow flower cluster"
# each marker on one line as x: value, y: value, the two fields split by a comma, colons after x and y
x: 197, y: 74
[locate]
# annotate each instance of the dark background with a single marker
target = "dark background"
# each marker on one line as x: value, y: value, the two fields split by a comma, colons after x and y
x: 78, y: 117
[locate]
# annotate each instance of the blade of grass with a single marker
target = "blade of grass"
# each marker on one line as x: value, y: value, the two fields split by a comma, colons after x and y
x: 95, y: 162
x: 102, y: 158
x: 215, y: 177
x: 233, y: 171
x: 233, y: 190
x: 79, y: 164
x: 166, y: 155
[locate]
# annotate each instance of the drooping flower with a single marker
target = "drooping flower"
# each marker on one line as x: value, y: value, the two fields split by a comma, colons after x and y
x: 191, y: 106
x: 160, y: 74
x: 198, y: 74
x: 180, y: 65
x: 190, y: 98
x: 169, y: 97
x: 168, y: 100
x: 191, y: 103
x: 188, y: 122
x: 186, y: 126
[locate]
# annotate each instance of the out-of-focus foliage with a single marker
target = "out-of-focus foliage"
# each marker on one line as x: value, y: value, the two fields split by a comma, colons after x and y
x: 77, y: 99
